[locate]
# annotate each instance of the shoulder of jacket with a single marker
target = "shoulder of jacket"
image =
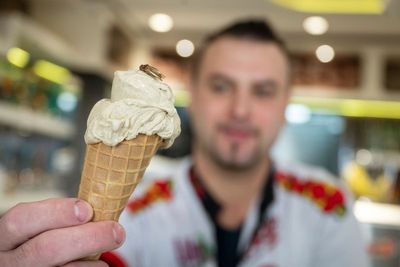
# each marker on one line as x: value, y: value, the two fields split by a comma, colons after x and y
x: 157, y: 185
x: 313, y: 184
x: 157, y: 191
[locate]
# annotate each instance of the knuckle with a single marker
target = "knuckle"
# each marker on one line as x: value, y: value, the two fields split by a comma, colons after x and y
x: 12, y: 220
x: 35, y: 250
x: 26, y: 250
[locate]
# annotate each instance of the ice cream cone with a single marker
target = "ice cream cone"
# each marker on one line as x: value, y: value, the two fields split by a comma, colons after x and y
x: 111, y: 173
x: 123, y: 133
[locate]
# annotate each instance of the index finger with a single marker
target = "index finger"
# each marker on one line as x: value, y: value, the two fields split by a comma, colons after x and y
x: 27, y: 220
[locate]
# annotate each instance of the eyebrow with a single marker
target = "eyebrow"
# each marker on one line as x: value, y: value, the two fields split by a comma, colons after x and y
x: 269, y: 83
x: 266, y: 83
x: 221, y: 77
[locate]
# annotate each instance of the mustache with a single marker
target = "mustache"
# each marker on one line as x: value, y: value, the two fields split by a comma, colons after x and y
x: 239, y: 127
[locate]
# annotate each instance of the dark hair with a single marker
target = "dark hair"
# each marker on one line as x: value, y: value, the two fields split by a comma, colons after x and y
x: 257, y: 30
x: 253, y: 30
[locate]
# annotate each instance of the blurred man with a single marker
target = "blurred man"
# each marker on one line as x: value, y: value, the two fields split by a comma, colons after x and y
x: 227, y: 205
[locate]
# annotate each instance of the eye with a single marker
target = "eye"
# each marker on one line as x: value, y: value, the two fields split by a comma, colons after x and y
x: 264, y: 90
x: 220, y: 86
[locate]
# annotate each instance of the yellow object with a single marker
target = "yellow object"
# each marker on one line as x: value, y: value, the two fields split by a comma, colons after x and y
x: 351, y: 107
x: 362, y: 184
x: 51, y: 71
x: 334, y: 6
x: 18, y: 57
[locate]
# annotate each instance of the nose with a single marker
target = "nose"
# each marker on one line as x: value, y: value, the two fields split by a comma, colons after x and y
x: 240, y: 105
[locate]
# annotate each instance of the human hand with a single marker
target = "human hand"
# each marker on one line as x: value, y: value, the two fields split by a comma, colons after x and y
x: 55, y: 232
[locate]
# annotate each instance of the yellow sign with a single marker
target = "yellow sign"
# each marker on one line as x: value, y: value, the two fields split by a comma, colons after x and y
x: 334, y: 6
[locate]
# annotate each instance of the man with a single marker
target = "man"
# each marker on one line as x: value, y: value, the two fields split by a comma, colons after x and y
x: 230, y: 204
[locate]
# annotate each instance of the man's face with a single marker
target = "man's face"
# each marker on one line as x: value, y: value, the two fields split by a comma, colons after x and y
x: 238, y: 101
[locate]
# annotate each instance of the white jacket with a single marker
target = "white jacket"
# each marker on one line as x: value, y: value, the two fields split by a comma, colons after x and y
x: 307, y: 225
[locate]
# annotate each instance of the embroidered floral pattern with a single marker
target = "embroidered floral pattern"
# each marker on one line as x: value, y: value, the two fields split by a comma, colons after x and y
x: 327, y: 197
x: 267, y: 235
x: 158, y: 191
x: 193, y: 252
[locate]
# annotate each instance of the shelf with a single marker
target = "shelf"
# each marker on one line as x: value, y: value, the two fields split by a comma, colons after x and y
x: 26, y: 119
x: 351, y: 107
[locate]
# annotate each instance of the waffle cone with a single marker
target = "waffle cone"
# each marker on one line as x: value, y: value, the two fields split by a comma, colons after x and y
x: 111, y: 173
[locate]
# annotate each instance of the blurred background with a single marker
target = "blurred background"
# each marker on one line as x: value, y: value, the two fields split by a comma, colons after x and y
x: 57, y: 59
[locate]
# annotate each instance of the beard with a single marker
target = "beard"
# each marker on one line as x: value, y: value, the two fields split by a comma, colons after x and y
x: 232, y: 159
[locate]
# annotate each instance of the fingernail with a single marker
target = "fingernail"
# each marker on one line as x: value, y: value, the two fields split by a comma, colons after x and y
x: 81, y: 211
x: 118, y: 233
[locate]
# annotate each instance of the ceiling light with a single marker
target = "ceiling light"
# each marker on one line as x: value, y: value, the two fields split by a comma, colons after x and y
x: 184, y: 48
x: 315, y: 25
x: 161, y: 22
x: 325, y: 53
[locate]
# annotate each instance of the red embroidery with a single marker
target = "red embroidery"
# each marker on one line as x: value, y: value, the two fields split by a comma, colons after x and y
x: 188, y: 251
x: 193, y: 252
x: 267, y: 233
x: 158, y: 191
x: 327, y: 197
x: 113, y: 259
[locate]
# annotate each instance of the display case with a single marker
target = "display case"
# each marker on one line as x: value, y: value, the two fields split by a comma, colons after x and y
x: 37, y: 129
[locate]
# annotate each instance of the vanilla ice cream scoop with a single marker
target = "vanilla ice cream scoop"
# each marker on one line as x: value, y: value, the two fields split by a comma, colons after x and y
x: 140, y: 104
